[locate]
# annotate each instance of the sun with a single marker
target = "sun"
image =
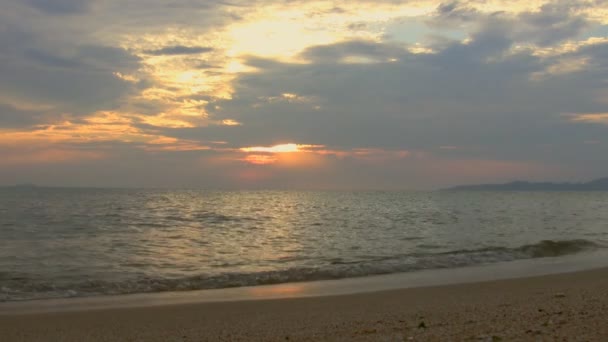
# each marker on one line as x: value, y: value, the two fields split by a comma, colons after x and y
x: 281, y: 148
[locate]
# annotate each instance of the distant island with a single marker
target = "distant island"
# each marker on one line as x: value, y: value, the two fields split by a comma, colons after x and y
x: 595, y: 185
x: 25, y: 185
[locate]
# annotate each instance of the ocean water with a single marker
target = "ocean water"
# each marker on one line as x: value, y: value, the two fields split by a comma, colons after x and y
x: 57, y: 243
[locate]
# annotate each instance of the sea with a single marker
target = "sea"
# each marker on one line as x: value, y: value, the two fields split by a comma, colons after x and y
x: 77, y: 242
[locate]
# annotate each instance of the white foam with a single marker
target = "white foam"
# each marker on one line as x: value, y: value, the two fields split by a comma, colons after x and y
x: 497, y: 271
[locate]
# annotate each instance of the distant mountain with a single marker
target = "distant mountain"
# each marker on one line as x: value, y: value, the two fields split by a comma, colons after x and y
x: 22, y: 186
x: 595, y: 185
x: 26, y: 185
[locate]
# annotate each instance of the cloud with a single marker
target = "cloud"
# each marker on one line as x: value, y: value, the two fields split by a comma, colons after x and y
x: 601, y: 118
x: 179, y: 50
x: 336, y: 53
x: 551, y: 24
x: 598, y: 54
x: 454, y: 12
x: 230, y: 122
x: 388, y: 88
x: 76, y: 89
x: 479, y: 93
x: 61, y: 7
x: 12, y: 117
x: 74, y: 77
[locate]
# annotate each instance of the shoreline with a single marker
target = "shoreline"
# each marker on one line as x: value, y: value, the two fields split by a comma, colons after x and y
x: 549, y: 307
x: 523, y: 268
x: 558, y: 306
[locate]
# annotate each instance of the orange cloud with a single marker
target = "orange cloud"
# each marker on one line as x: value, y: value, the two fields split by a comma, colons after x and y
x: 182, y: 146
x: 307, y: 155
x: 163, y: 120
x: 284, y: 155
x: 591, y: 118
x: 286, y: 160
x: 281, y: 148
x: 306, y: 160
x: 163, y: 143
x: 260, y: 159
x: 60, y: 143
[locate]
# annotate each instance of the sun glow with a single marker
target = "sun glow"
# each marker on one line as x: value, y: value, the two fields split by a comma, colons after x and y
x: 282, y: 148
x: 284, y: 155
x: 260, y: 159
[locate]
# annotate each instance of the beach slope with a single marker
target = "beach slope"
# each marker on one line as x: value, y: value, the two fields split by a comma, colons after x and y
x: 570, y: 306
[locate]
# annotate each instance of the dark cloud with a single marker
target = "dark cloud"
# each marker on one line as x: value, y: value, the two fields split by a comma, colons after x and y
x: 490, y: 101
x: 357, y: 26
x: 107, y: 58
x: 336, y: 52
x: 454, y: 12
x: 476, y: 94
x: 598, y: 54
x: 491, y: 40
x: 206, y: 66
x: 47, y: 59
x: 11, y: 117
x: 61, y: 6
x: 79, y: 83
x: 72, y: 77
x: 94, y: 58
x: 551, y: 24
x: 179, y: 50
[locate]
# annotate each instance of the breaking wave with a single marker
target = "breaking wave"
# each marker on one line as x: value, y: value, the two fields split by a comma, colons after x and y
x: 20, y: 286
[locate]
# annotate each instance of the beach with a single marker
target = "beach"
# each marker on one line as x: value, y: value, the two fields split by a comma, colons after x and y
x: 568, y: 307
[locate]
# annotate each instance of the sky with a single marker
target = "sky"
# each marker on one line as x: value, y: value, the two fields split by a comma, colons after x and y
x: 292, y: 94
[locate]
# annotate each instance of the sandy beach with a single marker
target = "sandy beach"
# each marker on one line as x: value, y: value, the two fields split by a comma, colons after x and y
x: 562, y: 307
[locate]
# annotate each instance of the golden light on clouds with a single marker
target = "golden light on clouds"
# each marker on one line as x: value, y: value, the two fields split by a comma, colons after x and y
x: 176, y: 147
x: 103, y: 126
x: 62, y: 141
x: 282, y: 34
x: 306, y: 155
x: 179, y: 75
x: 284, y: 155
x: 590, y: 118
x: 236, y: 66
x: 278, y: 31
x: 260, y: 159
x: 124, y: 77
x: 230, y: 122
x: 282, y: 148
x: 166, y: 121
x: 282, y: 31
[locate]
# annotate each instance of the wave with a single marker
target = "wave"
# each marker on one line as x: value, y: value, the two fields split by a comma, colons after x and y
x: 20, y: 286
x: 544, y: 248
x: 208, y: 217
x: 550, y: 248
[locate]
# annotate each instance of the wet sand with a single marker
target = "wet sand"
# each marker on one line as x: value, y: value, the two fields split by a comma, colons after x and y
x: 561, y: 307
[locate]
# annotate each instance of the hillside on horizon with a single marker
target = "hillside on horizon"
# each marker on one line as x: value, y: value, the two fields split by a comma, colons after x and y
x: 600, y: 184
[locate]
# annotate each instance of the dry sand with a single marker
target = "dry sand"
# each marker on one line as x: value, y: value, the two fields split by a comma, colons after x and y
x: 563, y: 307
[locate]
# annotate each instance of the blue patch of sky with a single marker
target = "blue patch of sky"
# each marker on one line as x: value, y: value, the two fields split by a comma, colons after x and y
x: 416, y: 30
x: 597, y: 31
